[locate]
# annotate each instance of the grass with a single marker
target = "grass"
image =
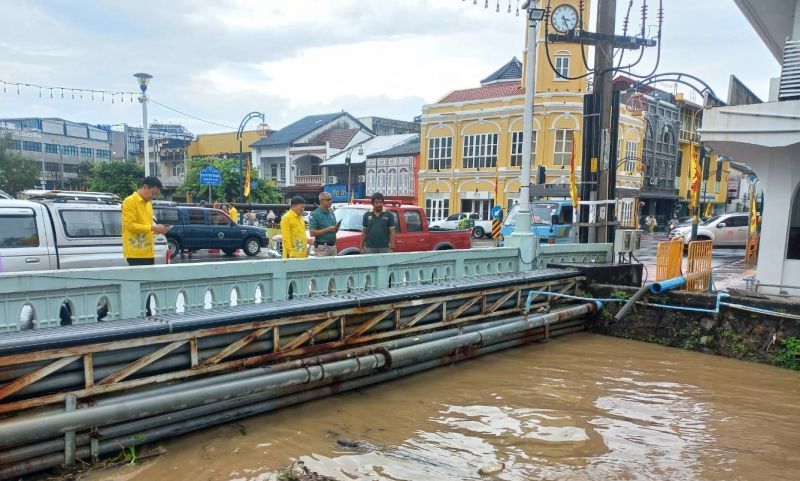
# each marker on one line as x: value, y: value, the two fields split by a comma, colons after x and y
x: 789, y: 354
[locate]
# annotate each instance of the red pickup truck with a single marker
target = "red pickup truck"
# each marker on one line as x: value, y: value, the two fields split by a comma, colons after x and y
x: 411, y: 231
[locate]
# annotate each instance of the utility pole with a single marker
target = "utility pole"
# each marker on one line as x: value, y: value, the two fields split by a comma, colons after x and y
x: 603, y: 88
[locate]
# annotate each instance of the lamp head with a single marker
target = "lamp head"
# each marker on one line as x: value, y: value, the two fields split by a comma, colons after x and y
x: 360, y: 150
x: 144, y: 79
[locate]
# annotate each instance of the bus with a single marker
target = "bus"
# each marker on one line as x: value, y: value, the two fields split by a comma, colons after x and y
x: 550, y: 219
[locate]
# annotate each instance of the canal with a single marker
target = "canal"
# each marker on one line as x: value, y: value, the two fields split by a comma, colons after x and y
x: 582, y: 407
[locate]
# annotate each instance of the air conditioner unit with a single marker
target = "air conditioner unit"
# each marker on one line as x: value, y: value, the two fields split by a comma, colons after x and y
x: 362, y: 178
x: 332, y: 179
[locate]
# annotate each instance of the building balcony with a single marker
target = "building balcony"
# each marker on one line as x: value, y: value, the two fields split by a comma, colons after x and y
x: 689, y: 136
x: 308, y: 180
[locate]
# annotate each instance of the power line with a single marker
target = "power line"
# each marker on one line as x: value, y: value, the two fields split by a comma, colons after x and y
x: 190, y: 115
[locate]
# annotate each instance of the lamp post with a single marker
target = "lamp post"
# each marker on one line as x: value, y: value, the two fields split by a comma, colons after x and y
x: 348, y: 162
x: 522, y: 237
x: 239, y: 134
x: 144, y: 79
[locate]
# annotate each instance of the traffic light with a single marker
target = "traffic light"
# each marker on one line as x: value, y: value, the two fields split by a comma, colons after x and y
x: 541, y: 175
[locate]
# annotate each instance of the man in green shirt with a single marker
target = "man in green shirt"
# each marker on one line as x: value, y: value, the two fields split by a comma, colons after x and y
x: 377, y: 232
x: 323, y: 227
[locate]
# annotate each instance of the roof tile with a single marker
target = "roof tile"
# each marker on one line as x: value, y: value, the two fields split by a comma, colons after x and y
x: 493, y: 91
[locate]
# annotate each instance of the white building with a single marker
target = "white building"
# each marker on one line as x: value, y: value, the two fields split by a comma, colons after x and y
x: 767, y: 138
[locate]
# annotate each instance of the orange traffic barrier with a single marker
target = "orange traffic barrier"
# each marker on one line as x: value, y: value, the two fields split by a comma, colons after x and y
x: 669, y: 257
x: 698, y: 266
x: 751, y: 249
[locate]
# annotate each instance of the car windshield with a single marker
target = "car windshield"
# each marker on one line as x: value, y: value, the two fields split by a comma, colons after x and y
x: 541, y: 213
x: 711, y: 220
x: 351, y: 218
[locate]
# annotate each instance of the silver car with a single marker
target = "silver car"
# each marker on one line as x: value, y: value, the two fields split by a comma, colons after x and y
x: 726, y: 230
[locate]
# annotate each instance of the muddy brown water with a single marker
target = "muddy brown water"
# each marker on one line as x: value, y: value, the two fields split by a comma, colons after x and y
x: 582, y: 407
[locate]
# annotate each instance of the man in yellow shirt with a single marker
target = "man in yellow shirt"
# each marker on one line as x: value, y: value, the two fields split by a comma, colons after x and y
x: 293, y: 231
x: 138, y: 228
x: 233, y: 212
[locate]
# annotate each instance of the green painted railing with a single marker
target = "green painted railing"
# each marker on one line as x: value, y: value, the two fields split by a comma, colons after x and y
x: 39, y: 299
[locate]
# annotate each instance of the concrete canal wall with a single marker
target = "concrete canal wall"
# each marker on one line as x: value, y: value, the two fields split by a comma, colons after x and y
x: 732, y: 332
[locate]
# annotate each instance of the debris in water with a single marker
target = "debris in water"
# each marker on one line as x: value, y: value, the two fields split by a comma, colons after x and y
x: 348, y: 443
x: 491, y: 469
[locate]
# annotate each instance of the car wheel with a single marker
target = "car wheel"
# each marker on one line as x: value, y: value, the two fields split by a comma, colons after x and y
x: 477, y: 232
x: 252, y: 247
x: 174, y: 247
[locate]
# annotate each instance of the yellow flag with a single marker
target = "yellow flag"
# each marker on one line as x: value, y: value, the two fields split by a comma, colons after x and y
x: 247, y: 180
x: 573, y: 184
x: 753, y: 212
x: 709, y: 210
x: 696, y: 175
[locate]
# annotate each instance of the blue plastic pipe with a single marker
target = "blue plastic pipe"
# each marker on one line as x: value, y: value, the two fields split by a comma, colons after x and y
x: 668, y: 285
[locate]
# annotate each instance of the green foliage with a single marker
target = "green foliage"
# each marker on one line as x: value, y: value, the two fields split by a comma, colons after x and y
x: 789, y: 355
x: 84, y: 179
x: 290, y: 473
x: 619, y: 294
x: 17, y: 173
x: 262, y: 192
x: 732, y: 341
x: 118, y: 177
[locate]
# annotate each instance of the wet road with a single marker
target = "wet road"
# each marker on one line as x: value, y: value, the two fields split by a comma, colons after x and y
x: 582, y: 407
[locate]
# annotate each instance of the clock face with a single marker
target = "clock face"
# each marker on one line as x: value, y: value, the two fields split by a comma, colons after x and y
x: 565, y: 18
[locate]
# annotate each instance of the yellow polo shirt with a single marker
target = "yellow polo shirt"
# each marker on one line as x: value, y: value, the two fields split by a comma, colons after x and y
x: 293, y: 234
x: 137, y: 228
x: 234, y: 214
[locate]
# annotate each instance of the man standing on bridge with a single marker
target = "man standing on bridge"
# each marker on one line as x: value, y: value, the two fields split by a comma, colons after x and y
x: 323, y: 227
x: 293, y: 231
x: 138, y: 228
x: 377, y: 232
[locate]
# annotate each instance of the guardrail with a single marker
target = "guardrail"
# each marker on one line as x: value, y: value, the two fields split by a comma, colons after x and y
x: 81, y: 296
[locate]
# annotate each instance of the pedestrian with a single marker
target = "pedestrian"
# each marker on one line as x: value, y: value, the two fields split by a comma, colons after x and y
x: 293, y: 230
x: 138, y: 228
x: 216, y: 205
x: 271, y: 218
x: 377, y: 228
x: 651, y: 223
x: 673, y: 223
x: 233, y: 212
x: 323, y: 227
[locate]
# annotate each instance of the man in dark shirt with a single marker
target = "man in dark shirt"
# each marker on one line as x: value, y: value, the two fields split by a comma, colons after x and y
x: 323, y: 227
x: 377, y: 232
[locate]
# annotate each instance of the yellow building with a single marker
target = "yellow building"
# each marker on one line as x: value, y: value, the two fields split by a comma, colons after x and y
x: 224, y: 144
x: 714, y: 187
x: 471, y: 139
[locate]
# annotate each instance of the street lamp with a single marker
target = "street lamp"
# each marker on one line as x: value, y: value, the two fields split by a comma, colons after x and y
x: 522, y: 237
x: 347, y: 162
x: 239, y: 134
x: 144, y: 79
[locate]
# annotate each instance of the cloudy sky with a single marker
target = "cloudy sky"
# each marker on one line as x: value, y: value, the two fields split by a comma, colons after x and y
x: 220, y: 59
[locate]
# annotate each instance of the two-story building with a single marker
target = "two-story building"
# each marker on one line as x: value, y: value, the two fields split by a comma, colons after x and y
x: 471, y: 139
x: 292, y: 157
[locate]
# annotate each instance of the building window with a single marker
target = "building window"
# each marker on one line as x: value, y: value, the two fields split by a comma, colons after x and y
x: 511, y: 200
x: 562, y: 151
x: 51, y: 148
x: 178, y: 169
x: 437, y: 206
x: 32, y: 146
x: 392, y: 182
x: 630, y: 156
x: 404, y: 186
x: 52, y: 167
x: 516, y: 148
x: 481, y: 207
x: 70, y: 150
x: 71, y: 168
x: 562, y: 67
x: 16, y: 144
x: 283, y: 172
x: 273, y: 168
x: 480, y: 151
x: 102, y: 154
x: 87, y: 152
x: 381, y: 180
x: 440, y: 153
x: 626, y: 213
x: 793, y: 247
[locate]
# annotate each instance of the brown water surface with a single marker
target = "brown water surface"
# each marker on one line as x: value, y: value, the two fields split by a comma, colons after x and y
x: 582, y: 407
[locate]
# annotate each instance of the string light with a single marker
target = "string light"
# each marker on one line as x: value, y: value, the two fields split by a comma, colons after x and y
x: 498, y: 8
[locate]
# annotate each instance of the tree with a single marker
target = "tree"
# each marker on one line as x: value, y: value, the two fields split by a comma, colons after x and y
x: 119, y: 177
x: 261, y: 191
x: 17, y: 173
x: 84, y: 179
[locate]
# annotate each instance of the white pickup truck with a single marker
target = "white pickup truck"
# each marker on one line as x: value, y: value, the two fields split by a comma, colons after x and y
x: 482, y: 227
x: 63, y: 234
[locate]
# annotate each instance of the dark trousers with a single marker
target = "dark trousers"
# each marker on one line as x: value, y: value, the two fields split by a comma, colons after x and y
x: 141, y: 262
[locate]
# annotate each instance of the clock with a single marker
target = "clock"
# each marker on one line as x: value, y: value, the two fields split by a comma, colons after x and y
x: 564, y: 18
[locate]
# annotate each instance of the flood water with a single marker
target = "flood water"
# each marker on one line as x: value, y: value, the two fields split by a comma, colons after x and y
x: 582, y: 407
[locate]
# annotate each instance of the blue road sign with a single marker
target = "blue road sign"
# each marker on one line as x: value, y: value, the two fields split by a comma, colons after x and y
x: 210, y: 176
x: 497, y: 212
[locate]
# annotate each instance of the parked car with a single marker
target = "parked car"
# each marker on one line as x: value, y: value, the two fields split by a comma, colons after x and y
x: 726, y: 230
x: 3, y: 195
x: 550, y: 219
x: 197, y: 228
x: 62, y: 233
x: 451, y: 222
x: 411, y: 231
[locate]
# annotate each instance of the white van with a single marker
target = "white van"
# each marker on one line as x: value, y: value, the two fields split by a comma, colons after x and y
x: 61, y: 233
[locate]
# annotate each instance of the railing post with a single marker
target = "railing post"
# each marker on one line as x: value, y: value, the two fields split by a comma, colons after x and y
x: 70, y: 404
